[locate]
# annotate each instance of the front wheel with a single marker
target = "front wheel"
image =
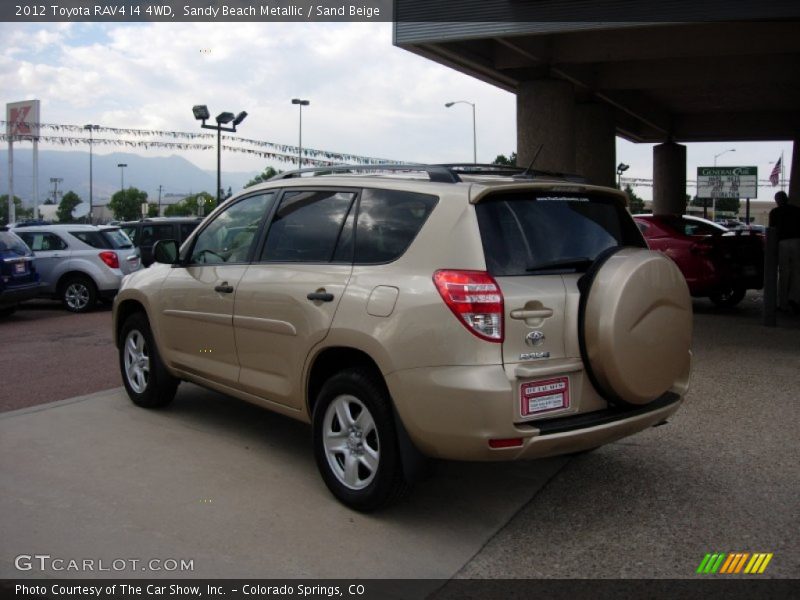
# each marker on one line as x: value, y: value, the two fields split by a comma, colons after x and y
x: 355, y: 441
x: 728, y: 298
x: 146, y: 379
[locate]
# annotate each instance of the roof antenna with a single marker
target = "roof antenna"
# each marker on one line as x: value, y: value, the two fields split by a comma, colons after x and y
x: 527, y: 170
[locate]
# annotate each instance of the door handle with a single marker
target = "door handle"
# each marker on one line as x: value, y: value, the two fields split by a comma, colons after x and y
x: 224, y: 288
x: 321, y: 296
x: 542, y: 313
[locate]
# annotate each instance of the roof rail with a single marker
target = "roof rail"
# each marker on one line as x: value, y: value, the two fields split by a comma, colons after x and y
x: 512, y: 170
x: 438, y: 173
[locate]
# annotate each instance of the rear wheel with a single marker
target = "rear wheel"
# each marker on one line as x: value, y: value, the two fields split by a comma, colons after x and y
x: 728, y: 298
x: 355, y: 441
x: 146, y: 379
x: 78, y: 293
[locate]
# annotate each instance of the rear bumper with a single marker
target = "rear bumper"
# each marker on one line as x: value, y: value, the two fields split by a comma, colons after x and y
x: 19, y: 293
x: 453, y: 412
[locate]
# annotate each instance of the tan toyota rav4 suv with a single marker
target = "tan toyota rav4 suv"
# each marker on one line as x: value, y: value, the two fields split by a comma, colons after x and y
x: 439, y: 311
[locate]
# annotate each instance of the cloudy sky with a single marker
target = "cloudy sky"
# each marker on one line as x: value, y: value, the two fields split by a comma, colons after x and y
x: 367, y: 97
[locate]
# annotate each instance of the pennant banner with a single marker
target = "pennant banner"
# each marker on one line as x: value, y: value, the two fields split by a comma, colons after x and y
x: 311, y: 156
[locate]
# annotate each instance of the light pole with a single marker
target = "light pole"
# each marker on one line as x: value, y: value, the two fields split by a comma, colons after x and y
x: 55, y: 181
x: 300, y: 103
x: 122, y: 178
x: 474, y: 132
x: 714, y: 196
x: 201, y: 113
x: 90, y: 127
x: 621, y: 168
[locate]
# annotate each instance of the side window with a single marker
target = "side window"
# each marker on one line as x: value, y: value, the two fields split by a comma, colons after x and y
x: 229, y: 237
x: 643, y: 227
x: 163, y: 232
x: 388, y: 220
x: 43, y: 242
x: 307, y: 226
x: 187, y: 229
x: 91, y: 238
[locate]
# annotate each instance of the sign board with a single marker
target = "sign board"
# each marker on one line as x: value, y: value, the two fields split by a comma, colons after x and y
x: 22, y: 120
x: 727, y: 182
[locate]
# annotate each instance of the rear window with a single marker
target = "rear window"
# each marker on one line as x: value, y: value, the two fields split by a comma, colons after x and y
x: 117, y: 238
x: 11, y: 243
x: 528, y: 233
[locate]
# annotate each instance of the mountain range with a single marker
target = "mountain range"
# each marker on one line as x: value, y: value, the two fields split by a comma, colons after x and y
x: 177, y: 176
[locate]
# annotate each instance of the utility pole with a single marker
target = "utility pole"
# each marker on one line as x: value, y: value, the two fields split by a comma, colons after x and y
x: 160, y: 187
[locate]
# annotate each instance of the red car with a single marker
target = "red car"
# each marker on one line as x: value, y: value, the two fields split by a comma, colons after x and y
x: 715, y: 261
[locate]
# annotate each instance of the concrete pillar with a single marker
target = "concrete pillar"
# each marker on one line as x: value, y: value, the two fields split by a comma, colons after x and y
x: 546, y: 116
x: 595, y: 144
x: 669, y: 179
x: 794, y: 175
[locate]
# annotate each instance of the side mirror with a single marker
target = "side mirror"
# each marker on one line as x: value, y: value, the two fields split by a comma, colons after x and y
x: 166, y: 252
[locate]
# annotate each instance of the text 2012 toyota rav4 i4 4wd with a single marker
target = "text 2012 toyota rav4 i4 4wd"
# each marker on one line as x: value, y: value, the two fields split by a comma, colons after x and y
x: 460, y: 314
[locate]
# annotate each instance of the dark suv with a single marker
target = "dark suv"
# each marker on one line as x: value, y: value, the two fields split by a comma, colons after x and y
x: 19, y: 280
x: 147, y: 232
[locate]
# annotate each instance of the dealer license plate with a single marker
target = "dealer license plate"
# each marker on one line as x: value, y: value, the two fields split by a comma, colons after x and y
x: 544, y: 396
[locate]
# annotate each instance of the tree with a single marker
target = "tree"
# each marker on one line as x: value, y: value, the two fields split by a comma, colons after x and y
x: 152, y: 209
x: 265, y: 175
x: 68, y: 203
x: 502, y: 159
x: 190, y: 205
x: 127, y: 204
x: 19, y: 212
x: 635, y: 203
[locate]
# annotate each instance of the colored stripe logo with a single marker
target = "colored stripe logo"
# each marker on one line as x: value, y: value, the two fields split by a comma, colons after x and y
x: 734, y: 563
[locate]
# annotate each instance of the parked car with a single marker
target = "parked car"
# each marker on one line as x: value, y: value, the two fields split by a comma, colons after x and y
x: 80, y: 264
x: 147, y: 232
x: 19, y: 280
x: 456, y: 316
x: 717, y: 263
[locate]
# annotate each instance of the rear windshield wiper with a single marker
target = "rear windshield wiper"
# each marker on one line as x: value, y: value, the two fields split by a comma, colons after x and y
x: 576, y: 263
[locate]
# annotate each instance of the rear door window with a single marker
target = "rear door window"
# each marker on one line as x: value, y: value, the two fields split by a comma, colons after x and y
x: 388, y: 221
x: 530, y: 233
x: 93, y: 238
x: 43, y: 242
x: 307, y: 226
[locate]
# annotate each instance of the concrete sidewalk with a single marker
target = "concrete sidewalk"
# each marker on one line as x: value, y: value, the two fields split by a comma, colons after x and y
x: 235, y: 488
x: 231, y: 486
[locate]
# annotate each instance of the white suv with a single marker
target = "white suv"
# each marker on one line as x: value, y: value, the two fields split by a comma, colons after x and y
x: 80, y: 264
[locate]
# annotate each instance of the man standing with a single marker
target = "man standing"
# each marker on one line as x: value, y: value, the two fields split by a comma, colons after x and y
x: 786, y: 219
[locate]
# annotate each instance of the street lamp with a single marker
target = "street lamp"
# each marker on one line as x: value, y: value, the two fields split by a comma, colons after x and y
x: 714, y: 197
x: 122, y: 178
x: 474, y: 133
x: 300, y: 103
x: 90, y: 127
x: 621, y: 168
x: 201, y: 113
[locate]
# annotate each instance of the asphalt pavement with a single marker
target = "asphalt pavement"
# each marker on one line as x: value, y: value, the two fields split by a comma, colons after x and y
x: 234, y: 488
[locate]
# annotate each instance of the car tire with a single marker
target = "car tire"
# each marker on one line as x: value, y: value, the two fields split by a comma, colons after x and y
x: 78, y: 293
x: 146, y: 379
x: 355, y: 441
x: 728, y: 298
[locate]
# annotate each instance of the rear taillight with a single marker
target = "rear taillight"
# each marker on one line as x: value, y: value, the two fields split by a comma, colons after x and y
x: 476, y: 299
x: 110, y: 258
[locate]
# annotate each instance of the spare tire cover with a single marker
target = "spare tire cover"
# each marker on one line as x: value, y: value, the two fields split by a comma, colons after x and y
x: 636, y: 326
